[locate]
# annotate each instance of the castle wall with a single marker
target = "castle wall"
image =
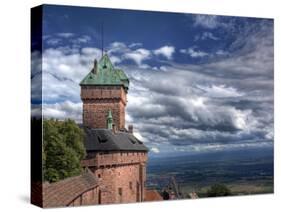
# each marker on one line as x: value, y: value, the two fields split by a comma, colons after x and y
x: 98, y: 100
x: 122, y: 176
x: 113, y: 158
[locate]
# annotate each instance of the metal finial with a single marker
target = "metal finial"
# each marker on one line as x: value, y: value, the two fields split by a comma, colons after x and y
x: 102, y: 39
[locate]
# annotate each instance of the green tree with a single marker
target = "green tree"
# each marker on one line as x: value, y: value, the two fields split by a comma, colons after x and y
x: 218, y: 190
x: 63, y: 149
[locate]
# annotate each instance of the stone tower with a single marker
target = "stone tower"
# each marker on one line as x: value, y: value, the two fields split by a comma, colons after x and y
x: 104, y: 89
x: 115, y: 156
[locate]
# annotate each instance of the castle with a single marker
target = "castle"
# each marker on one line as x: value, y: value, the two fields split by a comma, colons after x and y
x: 115, y: 165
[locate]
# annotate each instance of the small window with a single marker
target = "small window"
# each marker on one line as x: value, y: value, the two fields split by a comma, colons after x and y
x: 131, y: 185
x: 99, y: 176
x: 133, y: 141
x: 102, y: 139
x: 120, y: 191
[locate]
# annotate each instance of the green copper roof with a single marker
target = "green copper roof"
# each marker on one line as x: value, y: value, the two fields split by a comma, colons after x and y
x: 106, y: 74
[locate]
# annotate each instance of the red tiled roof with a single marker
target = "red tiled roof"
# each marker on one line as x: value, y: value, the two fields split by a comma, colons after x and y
x: 152, y: 195
x: 63, y: 192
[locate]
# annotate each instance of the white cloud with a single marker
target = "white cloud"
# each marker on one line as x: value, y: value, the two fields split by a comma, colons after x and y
x: 53, y: 41
x: 192, y: 52
x: 207, y: 21
x: 81, y: 39
x: 220, y: 91
x: 119, y: 51
x: 221, y: 147
x: 93, y: 52
x: 63, y: 110
x: 133, y: 45
x: 115, y: 60
x: 118, y: 47
x: 155, y: 150
x: 221, y: 52
x: 166, y: 51
x: 138, y: 55
x: 205, y: 36
x: 163, y: 68
x: 198, y: 102
x: 63, y: 70
x: 36, y: 75
x: 65, y: 34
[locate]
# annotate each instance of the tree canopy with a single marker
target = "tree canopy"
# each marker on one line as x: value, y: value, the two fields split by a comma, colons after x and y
x: 218, y: 190
x: 63, y: 149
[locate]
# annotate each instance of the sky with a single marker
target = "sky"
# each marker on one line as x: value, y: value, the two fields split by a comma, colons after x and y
x: 198, y: 83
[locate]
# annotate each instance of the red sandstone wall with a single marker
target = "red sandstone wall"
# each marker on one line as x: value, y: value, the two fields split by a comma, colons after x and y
x: 122, y: 175
x: 115, y: 158
x: 97, y: 101
x: 95, y: 114
x: 121, y: 184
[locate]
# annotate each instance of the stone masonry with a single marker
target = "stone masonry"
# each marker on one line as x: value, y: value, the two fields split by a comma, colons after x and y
x: 123, y: 175
x: 98, y: 100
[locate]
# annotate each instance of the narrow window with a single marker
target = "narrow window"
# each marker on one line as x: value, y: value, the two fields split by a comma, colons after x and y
x: 120, y: 191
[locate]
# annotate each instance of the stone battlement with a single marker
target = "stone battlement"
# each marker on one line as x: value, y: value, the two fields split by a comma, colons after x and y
x: 103, y: 92
x: 114, y: 159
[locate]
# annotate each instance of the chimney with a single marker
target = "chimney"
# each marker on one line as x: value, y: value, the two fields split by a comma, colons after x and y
x: 95, y: 68
x: 114, y: 128
x: 109, y: 120
x: 131, y: 129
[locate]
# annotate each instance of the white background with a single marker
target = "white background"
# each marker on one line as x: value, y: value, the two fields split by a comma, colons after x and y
x: 15, y: 102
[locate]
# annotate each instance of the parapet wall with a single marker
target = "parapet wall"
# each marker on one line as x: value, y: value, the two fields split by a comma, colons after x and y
x: 109, y: 159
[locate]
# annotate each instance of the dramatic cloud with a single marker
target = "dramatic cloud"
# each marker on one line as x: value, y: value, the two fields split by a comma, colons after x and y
x: 224, y: 102
x: 220, y: 104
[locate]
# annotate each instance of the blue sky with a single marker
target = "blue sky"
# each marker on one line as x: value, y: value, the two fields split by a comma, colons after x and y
x: 197, y: 82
